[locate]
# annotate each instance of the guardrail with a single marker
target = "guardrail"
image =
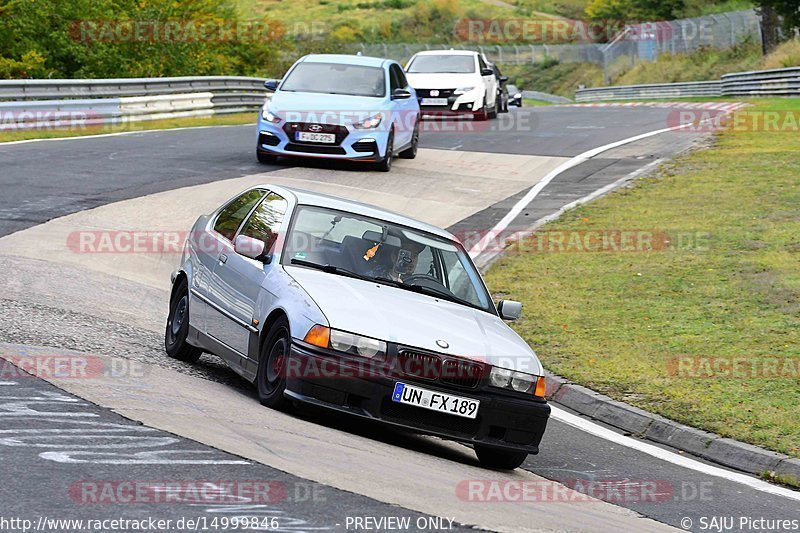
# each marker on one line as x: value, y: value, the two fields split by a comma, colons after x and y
x: 651, y: 91
x: 27, y: 104
x: 546, y: 97
x: 778, y: 82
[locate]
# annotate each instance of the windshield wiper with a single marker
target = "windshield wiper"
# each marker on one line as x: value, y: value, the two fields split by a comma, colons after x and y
x: 331, y: 269
x: 430, y: 291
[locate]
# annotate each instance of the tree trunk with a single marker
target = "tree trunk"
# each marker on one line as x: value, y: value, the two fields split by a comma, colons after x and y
x: 770, y: 28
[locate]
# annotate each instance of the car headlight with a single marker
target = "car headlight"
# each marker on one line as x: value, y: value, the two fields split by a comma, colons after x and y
x: 343, y: 341
x: 517, y: 381
x: 369, y: 123
x: 268, y: 116
x: 463, y: 90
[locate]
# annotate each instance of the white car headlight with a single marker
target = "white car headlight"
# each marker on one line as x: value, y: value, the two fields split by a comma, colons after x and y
x: 463, y: 90
x: 369, y: 123
x: 343, y: 341
x: 500, y: 377
x: 268, y: 116
x: 517, y: 381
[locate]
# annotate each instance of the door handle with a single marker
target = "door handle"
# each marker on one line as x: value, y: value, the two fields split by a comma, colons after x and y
x: 223, y: 258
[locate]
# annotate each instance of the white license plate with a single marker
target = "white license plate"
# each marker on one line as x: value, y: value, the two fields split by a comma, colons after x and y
x: 435, y: 401
x: 315, y: 137
x: 434, y: 101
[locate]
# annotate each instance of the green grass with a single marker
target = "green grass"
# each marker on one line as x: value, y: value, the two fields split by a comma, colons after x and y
x: 377, y: 21
x: 616, y: 321
x: 527, y: 102
x: 554, y: 78
x: 705, y: 64
x: 218, y: 120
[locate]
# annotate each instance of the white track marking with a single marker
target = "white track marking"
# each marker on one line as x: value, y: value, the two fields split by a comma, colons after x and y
x: 668, y: 455
x: 491, y: 236
x: 120, y: 133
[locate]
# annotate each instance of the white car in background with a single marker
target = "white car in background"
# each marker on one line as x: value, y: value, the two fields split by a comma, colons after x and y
x: 454, y: 82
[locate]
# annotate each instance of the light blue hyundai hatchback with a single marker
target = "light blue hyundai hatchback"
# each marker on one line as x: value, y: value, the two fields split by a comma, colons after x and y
x: 340, y: 107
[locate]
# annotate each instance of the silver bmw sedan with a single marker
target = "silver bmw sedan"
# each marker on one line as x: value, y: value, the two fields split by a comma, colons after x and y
x: 326, y: 301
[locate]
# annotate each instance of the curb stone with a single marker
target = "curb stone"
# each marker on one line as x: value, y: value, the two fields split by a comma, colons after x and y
x: 789, y: 468
x: 724, y: 451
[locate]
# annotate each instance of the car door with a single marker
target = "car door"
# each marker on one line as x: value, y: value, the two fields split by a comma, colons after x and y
x: 404, y: 110
x: 489, y: 81
x: 207, y: 246
x: 237, y: 282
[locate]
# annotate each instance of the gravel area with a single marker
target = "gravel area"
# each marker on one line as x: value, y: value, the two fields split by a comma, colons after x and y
x: 41, y: 325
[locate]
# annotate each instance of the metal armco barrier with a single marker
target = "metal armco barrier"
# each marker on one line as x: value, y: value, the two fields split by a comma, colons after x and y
x: 26, y: 104
x: 652, y: 91
x: 778, y: 82
x: 546, y: 97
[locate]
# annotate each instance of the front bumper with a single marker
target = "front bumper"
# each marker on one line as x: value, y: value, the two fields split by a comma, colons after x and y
x: 355, y: 145
x: 503, y: 421
x: 457, y: 105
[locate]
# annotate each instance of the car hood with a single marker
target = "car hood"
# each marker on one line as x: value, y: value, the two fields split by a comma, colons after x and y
x: 322, y: 108
x: 443, y: 81
x: 415, y: 320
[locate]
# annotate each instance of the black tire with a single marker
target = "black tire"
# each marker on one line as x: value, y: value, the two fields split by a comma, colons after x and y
x: 177, y: 329
x: 411, y: 152
x: 385, y: 164
x: 493, y: 112
x: 272, y: 362
x: 481, y: 115
x: 266, y: 159
x: 500, y: 459
x: 504, y: 105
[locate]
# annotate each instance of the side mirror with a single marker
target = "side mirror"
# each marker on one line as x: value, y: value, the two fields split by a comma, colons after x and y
x: 249, y: 247
x: 272, y: 85
x: 401, y: 94
x: 509, y: 309
x: 503, y: 79
x: 487, y: 72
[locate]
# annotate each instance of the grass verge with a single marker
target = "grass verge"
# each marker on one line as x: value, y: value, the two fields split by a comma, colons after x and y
x: 144, y: 125
x: 705, y: 330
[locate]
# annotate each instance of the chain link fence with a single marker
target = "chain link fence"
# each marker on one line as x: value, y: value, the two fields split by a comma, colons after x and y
x: 637, y: 42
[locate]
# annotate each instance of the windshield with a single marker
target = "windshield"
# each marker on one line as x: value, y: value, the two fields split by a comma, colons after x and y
x: 384, y: 252
x: 331, y: 78
x: 444, y: 63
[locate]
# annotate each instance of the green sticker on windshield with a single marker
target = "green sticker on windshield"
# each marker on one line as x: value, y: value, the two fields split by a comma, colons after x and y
x: 300, y: 255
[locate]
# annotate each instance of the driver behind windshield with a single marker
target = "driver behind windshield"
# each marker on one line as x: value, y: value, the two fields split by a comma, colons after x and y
x: 395, y: 263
